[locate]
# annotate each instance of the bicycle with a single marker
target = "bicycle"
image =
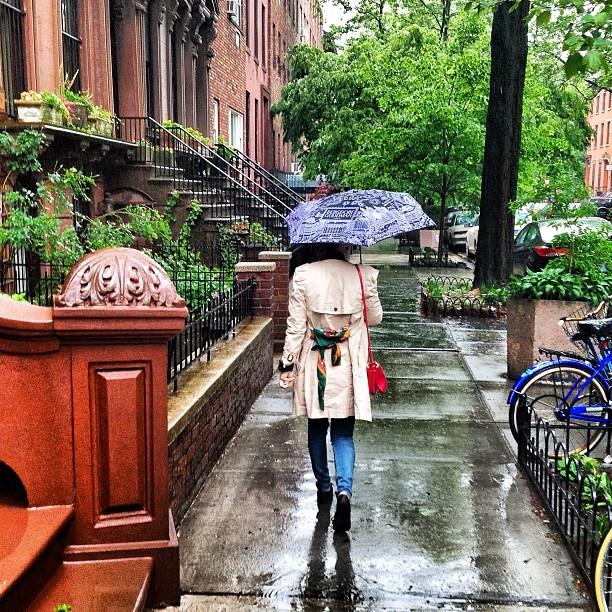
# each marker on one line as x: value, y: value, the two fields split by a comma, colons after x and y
x: 603, y: 574
x: 572, y: 388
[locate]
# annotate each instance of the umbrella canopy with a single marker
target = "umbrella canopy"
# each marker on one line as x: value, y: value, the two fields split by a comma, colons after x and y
x: 360, y: 217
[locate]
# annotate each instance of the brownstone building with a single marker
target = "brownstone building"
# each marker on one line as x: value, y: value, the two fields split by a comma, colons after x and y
x: 598, y: 177
x: 214, y: 65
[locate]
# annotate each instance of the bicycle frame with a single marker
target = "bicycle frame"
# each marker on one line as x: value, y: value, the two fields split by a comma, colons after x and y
x: 576, y: 411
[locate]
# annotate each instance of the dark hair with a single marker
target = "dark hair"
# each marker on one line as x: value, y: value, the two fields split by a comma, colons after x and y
x: 309, y: 253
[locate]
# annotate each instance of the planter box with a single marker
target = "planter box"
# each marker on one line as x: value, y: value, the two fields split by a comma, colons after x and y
x: 104, y: 128
x: 535, y: 323
x: 37, y: 112
x: 429, y: 239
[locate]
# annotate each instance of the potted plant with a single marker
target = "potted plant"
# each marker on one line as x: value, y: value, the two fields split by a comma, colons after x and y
x: 41, y: 107
x: 567, y: 284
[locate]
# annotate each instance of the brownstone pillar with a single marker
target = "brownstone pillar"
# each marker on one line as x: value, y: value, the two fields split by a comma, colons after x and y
x: 43, y: 44
x: 116, y: 312
x: 263, y: 273
x: 96, y: 63
x: 128, y: 18
x: 280, y: 298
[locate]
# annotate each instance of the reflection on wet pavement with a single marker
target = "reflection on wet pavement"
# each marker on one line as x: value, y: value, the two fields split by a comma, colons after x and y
x: 441, y: 517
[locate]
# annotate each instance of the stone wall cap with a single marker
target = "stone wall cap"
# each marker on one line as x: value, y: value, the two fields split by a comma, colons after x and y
x: 255, y: 266
x: 275, y: 255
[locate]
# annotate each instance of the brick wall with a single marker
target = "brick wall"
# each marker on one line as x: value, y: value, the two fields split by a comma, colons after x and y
x: 227, y: 72
x: 198, y: 438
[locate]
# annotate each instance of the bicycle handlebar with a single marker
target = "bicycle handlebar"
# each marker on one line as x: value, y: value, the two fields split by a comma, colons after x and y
x: 588, y: 315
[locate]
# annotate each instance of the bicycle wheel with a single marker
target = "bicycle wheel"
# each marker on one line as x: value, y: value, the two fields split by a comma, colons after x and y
x: 554, y: 391
x: 603, y: 574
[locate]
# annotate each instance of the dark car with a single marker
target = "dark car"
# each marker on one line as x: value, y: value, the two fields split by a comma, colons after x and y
x: 533, y: 245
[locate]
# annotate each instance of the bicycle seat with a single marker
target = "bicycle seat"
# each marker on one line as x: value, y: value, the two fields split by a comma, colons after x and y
x: 595, y: 328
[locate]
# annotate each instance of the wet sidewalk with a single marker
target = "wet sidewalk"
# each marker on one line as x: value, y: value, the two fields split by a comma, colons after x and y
x: 441, y: 517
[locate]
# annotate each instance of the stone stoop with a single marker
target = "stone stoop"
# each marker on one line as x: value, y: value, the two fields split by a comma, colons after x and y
x: 35, y: 577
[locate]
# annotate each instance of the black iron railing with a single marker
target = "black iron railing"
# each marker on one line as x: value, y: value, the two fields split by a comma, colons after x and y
x: 444, y: 296
x: 12, y: 56
x: 215, y: 320
x: 227, y: 197
x: 581, y: 512
x: 24, y: 276
x: 266, y: 182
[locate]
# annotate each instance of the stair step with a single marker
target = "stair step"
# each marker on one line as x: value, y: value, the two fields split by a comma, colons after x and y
x: 120, y: 585
x: 26, y: 535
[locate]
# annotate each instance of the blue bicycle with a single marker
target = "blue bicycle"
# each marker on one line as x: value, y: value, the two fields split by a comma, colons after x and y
x: 569, y: 388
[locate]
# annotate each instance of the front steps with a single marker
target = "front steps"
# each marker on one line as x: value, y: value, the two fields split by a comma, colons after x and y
x: 34, y: 577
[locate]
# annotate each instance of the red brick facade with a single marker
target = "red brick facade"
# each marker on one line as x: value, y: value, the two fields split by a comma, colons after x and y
x: 598, y: 175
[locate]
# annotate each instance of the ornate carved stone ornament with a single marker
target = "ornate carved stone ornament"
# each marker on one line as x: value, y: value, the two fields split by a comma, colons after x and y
x: 162, y: 12
x: 118, y: 277
x: 184, y: 19
x: 199, y: 14
x: 171, y: 12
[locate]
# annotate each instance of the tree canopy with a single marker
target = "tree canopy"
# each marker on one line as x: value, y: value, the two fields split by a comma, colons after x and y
x: 402, y: 108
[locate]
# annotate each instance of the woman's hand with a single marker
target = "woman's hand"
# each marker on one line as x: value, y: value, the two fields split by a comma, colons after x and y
x: 286, y: 380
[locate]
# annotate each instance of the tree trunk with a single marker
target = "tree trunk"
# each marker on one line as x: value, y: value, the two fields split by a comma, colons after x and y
x: 441, y: 226
x: 502, y: 142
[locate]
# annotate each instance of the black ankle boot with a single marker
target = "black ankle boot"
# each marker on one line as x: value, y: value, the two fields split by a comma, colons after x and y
x: 342, y: 518
x: 325, y: 498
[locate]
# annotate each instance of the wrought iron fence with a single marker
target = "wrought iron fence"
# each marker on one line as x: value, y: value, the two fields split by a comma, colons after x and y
x: 25, y: 277
x: 442, y: 296
x: 12, y: 56
x: 428, y: 258
x: 217, y: 303
x: 214, y: 320
x: 581, y: 511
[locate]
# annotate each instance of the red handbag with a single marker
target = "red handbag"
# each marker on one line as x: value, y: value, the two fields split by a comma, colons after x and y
x: 377, y: 379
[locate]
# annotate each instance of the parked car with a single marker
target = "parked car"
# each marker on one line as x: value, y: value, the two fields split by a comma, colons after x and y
x: 448, y: 221
x: 533, y: 246
x: 458, y: 228
x: 471, y: 238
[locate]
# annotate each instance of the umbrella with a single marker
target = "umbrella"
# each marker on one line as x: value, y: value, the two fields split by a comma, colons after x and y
x: 360, y: 217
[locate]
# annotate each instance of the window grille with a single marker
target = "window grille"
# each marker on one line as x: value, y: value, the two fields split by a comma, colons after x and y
x: 12, y: 52
x: 71, y: 43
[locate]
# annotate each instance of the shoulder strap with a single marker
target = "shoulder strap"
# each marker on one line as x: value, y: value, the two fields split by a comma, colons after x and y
x: 365, y: 313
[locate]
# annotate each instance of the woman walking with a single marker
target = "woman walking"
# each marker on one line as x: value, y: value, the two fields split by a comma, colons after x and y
x: 324, y: 360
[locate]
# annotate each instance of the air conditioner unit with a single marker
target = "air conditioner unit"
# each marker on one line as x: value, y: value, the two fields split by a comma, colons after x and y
x: 233, y: 8
x: 295, y: 168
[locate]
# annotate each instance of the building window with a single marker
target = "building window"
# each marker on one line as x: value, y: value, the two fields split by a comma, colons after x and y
x: 255, y: 30
x: 256, y: 138
x: 273, y: 50
x: 236, y: 126
x: 247, y: 112
x: 247, y: 24
x: 12, y: 53
x: 234, y: 12
x: 263, y: 34
x: 71, y: 43
x: 215, y: 121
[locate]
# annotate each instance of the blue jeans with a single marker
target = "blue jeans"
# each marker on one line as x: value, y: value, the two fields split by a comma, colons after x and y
x: 344, y: 452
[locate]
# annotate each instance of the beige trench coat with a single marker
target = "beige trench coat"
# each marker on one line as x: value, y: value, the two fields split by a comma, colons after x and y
x: 328, y: 294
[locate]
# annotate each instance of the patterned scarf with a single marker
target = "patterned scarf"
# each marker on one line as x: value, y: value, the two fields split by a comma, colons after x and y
x: 324, y: 339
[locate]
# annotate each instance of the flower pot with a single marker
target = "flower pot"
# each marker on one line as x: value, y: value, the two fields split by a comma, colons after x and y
x: 37, y: 112
x: 77, y: 114
x: 535, y: 323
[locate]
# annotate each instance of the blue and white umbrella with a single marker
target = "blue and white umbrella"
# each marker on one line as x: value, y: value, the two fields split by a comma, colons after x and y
x: 360, y: 217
